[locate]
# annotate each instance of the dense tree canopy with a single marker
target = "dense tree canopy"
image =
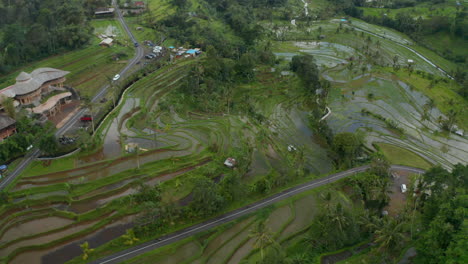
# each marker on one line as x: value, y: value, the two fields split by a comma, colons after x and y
x: 304, y: 66
x: 37, y: 28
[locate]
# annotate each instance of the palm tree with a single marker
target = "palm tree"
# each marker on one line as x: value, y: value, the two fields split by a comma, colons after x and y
x: 9, y: 107
x: 86, y: 103
x: 137, y: 150
x: 383, y: 190
x: 339, y: 218
x: 388, y: 233
x: 327, y: 199
x: 262, y: 235
x: 86, y: 250
x: 298, y: 258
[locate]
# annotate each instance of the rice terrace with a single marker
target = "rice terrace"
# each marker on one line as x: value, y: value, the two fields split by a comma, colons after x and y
x: 223, y: 131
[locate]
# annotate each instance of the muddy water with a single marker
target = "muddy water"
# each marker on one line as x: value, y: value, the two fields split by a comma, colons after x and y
x: 86, y: 206
x: 83, y: 207
x: 97, y: 156
x: 44, y: 239
x: 68, y: 250
x: 34, y: 227
x: 170, y: 176
x: 100, y: 171
x: 112, y: 147
x: 104, y: 189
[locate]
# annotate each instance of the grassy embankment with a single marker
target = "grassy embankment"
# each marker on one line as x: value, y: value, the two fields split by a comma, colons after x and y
x: 400, y: 156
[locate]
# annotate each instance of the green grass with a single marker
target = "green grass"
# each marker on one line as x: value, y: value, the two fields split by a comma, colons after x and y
x: 445, y: 44
x: 445, y: 95
x: 39, y: 168
x: 424, y: 10
x: 400, y: 156
x: 161, y: 254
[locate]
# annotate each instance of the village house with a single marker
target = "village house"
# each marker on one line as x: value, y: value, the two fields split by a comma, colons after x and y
x: 107, y: 42
x: 139, y: 4
x: 7, y: 126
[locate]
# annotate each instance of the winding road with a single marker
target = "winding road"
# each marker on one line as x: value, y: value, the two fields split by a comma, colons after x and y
x: 33, y: 154
x: 190, y: 231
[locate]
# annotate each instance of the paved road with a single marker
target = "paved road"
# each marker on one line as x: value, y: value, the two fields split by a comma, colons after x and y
x: 33, y: 154
x: 190, y: 231
x: 409, y: 48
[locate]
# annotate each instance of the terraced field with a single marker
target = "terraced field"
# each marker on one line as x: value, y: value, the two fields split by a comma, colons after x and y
x: 91, y: 202
x: 233, y: 242
x: 367, y: 97
x: 92, y: 199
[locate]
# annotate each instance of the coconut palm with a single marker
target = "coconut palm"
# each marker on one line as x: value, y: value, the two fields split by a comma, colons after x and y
x: 86, y: 250
x: 112, y: 87
x: 327, y: 201
x: 388, y: 233
x: 262, y: 235
x: 298, y: 258
x: 339, y: 218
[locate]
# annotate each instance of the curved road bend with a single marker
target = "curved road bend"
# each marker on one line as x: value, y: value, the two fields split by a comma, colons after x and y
x: 35, y: 152
x: 408, y: 48
x: 190, y: 231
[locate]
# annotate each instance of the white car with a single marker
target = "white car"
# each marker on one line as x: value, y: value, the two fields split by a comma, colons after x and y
x: 403, y: 188
x: 116, y: 77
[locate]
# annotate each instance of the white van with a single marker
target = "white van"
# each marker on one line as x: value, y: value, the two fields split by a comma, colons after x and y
x: 403, y: 188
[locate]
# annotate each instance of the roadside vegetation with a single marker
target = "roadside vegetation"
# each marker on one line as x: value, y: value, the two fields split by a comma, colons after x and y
x: 340, y: 223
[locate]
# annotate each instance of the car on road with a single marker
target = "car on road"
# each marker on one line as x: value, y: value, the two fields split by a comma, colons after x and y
x: 116, y: 77
x: 86, y: 118
x: 29, y: 147
x: 403, y: 188
x: 136, y: 44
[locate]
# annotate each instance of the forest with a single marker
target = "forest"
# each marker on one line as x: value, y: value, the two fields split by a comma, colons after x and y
x: 35, y: 29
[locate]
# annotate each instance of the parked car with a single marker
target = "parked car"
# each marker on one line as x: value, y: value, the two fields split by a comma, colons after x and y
x: 29, y: 147
x: 116, y: 77
x: 86, y: 118
x: 403, y: 188
x: 64, y: 140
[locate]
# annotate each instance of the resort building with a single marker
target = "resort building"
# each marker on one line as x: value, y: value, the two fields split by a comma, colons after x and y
x: 31, y: 88
x: 53, y: 104
x: 7, y: 126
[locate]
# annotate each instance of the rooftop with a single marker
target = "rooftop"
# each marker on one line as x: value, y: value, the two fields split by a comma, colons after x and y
x: 26, y: 83
x: 6, y: 121
x: 50, y: 103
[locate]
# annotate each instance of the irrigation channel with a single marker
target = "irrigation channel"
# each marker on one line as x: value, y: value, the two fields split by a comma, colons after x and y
x: 34, y: 153
x: 225, y: 218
